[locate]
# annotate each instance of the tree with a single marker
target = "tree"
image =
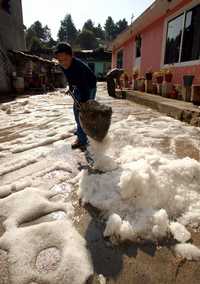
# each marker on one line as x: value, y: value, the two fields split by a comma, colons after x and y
x: 38, y: 35
x: 89, y: 26
x: 30, y: 34
x: 41, y: 32
x: 51, y: 43
x: 67, y: 31
x: 110, y: 29
x: 47, y: 34
x: 87, y: 40
x: 36, y: 45
x: 99, y: 32
x: 121, y: 25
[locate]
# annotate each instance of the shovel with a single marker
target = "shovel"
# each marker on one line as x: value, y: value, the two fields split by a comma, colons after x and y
x: 95, y: 118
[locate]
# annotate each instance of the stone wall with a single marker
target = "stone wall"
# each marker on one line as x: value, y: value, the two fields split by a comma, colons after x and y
x: 11, y: 26
x: 5, y: 72
x: 11, y: 38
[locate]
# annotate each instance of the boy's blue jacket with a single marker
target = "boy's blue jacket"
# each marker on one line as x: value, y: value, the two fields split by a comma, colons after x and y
x: 79, y: 75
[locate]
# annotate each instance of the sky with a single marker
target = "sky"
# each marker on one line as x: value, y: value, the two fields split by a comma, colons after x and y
x: 51, y: 12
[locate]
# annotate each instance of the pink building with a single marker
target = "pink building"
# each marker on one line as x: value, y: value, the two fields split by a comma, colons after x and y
x: 166, y: 35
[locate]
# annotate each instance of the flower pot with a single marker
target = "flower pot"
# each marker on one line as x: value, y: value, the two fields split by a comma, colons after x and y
x: 135, y: 85
x: 159, y: 79
x: 148, y: 76
x: 174, y: 95
x: 154, y: 89
x: 168, y: 78
x: 188, y: 80
x: 126, y: 84
x: 126, y: 81
x: 141, y: 85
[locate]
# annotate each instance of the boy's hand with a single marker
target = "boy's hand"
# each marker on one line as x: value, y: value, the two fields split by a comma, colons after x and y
x: 67, y: 92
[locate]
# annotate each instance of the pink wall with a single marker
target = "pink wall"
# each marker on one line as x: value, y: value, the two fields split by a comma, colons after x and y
x: 128, y: 60
x: 152, y: 38
x: 114, y: 59
x: 178, y: 73
x: 151, y: 51
x: 129, y: 51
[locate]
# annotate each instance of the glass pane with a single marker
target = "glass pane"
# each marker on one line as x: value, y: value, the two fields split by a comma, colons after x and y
x: 138, y: 43
x: 191, y: 38
x: 120, y: 59
x: 173, y: 42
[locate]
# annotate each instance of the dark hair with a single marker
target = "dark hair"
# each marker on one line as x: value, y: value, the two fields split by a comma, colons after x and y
x: 63, y: 47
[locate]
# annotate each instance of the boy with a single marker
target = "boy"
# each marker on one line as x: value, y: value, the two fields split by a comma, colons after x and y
x: 80, y: 77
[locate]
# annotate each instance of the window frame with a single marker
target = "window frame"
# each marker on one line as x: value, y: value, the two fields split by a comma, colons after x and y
x: 183, y: 11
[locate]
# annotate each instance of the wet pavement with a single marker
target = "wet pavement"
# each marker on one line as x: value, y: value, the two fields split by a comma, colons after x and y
x: 35, y: 137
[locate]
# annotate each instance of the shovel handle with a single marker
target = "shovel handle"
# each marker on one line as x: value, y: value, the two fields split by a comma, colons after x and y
x: 71, y: 93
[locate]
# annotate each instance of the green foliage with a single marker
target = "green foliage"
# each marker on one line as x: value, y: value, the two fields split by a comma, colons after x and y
x: 38, y: 38
x: 99, y: 32
x: 36, y: 45
x: 67, y: 31
x: 87, y: 40
x: 110, y: 29
x: 121, y: 25
x: 89, y: 26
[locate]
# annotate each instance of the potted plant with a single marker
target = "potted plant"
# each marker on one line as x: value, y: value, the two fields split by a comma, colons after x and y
x: 149, y: 75
x: 174, y: 93
x: 126, y: 80
x: 159, y: 77
x: 135, y: 74
x: 141, y: 86
x: 154, y: 89
x: 168, y: 75
x: 188, y: 80
x: 135, y: 79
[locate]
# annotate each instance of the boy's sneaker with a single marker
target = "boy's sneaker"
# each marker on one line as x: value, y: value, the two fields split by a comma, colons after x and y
x: 77, y: 145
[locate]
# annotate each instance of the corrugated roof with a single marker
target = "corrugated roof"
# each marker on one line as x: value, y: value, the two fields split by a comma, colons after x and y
x: 32, y: 57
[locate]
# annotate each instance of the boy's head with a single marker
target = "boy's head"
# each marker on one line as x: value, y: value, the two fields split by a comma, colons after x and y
x: 63, y: 54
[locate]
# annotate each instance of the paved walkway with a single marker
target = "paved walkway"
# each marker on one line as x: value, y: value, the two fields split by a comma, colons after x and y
x: 181, y: 110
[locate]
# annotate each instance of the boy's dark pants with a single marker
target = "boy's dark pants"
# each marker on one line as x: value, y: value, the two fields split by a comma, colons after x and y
x: 80, y: 133
x: 111, y: 87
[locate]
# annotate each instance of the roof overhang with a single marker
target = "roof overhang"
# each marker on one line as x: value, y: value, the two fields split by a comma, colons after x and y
x: 156, y: 11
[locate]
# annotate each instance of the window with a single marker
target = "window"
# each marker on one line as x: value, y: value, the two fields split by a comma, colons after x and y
x: 120, y: 56
x: 174, y: 33
x: 191, y: 37
x: 138, y: 44
x: 183, y: 37
x: 5, y: 4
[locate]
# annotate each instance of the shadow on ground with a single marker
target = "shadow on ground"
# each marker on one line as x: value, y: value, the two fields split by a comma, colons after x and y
x: 128, y: 263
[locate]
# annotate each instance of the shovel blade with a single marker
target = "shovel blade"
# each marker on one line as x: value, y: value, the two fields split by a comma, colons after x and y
x: 95, y: 119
